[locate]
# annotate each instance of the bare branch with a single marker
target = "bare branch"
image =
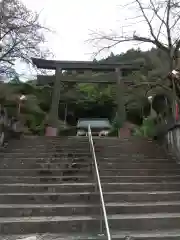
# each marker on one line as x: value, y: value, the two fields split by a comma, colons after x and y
x: 147, y: 20
x: 21, y: 33
x: 160, y: 18
x: 167, y: 24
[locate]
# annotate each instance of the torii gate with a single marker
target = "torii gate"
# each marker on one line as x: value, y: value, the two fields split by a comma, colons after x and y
x: 108, y: 72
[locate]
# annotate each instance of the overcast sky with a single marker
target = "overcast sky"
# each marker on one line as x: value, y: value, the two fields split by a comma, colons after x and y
x: 72, y: 21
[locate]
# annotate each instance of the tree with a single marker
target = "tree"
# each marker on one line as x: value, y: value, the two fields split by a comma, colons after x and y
x: 161, y: 19
x: 21, y: 35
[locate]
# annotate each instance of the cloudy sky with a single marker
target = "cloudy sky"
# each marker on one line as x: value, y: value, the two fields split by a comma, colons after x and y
x: 73, y: 21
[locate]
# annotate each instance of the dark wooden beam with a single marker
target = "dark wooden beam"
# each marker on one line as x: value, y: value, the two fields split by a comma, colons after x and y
x: 45, y: 80
x: 121, y: 111
x: 83, y: 65
x: 109, y: 78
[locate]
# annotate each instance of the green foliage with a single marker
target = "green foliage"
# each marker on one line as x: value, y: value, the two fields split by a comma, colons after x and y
x: 94, y: 100
x: 31, y: 112
x: 147, y: 129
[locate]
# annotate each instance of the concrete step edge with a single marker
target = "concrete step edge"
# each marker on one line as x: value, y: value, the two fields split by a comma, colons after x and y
x: 77, y: 205
x: 43, y: 169
x: 86, y: 176
x: 49, y: 236
x: 114, y: 234
x: 75, y: 169
x: 89, y: 218
x: 84, y: 184
x: 46, y: 177
x: 148, y: 234
x: 90, y: 176
x: 90, y: 193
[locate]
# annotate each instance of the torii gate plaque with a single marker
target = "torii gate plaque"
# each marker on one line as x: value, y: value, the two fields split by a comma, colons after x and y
x: 111, y: 73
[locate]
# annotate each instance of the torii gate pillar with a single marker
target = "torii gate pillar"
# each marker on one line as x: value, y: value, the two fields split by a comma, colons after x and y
x: 52, y: 128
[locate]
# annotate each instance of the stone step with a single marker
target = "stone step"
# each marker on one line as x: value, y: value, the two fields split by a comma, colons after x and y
x: 48, y: 198
x: 128, y: 149
x: 140, y: 172
x: 143, y: 235
x: 57, y: 165
x: 46, y: 179
x: 29, y: 210
x: 140, y: 188
x: 139, y: 148
x: 51, y: 150
x: 148, y: 235
x: 83, y: 164
x: 64, y: 138
x: 88, y: 197
x: 48, y: 145
x: 136, y: 186
x: 43, y: 172
x: 44, y: 154
x: 140, y: 165
x: 59, y: 138
x: 117, y: 155
x: 133, y: 158
x: 103, y: 147
x: 46, y: 142
x: 110, y: 143
x: 143, y: 179
x: 15, y: 210
x: 48, y: 236
x: 89, y: 178
x: 83, y: 224
x: 108, y: 165
x: 125, y: 145
x: 63, y: 160
x: 46, y: 187
x: 78, y: 187
x: 89, y: 159
x: 124, y: 140
x: 71, y: 224
x: 65, y: 171
x: 116, y: 142
x: 123, y: 148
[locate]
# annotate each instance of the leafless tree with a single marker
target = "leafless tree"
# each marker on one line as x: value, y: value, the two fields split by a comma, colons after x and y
x: 21, y: 35
x: 159, y: 24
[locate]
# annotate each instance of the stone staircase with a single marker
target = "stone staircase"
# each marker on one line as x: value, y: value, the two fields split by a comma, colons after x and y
x: 47, y: 189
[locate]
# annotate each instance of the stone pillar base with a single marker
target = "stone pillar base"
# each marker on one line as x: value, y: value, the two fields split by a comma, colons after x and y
x: 51, y: 132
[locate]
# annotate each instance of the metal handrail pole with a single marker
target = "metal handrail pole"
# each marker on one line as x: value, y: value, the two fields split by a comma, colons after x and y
x: 94, y: 175
x: 101, y: 220
x: 99, y: 184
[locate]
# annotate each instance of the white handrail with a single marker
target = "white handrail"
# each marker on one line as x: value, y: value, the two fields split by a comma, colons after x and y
x: 99, y: 183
